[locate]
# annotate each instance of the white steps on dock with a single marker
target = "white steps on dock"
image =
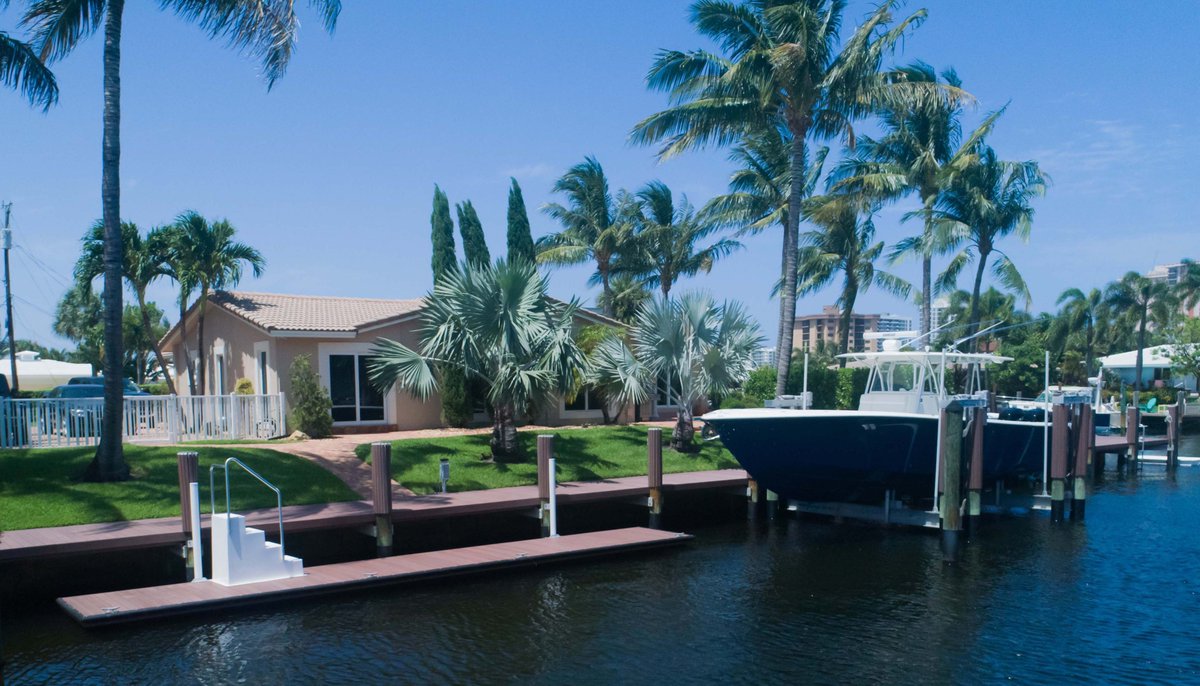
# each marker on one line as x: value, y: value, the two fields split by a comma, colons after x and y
x: 243, y: 555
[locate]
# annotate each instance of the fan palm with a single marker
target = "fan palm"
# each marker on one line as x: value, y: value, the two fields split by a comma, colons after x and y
x: 692, y: 346
x: 988, y: 201
x: 781, y: 68
x: 592, y: 226
x: 265, y: 29
x: 919, y: 152
x: 1079, y: 321
x: 212, y: 260
x: 666, y: 240
x: 843, y: 244
x: 1140, y: 302
x: 145, y: 262
x: 494, y: 322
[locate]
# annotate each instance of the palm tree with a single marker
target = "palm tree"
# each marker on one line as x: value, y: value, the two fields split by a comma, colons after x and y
x: 1079, y: 320
x: 494, y: 322
x: 628, y: 295
x: 265, y: 29
x: 145, y: 262
x: 988, y: 200
x: 212, y: 260
x: 592, y: 229
x: 22, y: 70
x: 1140, y: 302
x: 843, y: 244
x: 1188, y: 287
x: 781, y: 68
x: 919, y: 152
x: 691, y: 345
x: 667, y: 237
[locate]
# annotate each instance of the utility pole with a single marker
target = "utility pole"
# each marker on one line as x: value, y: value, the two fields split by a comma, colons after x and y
x: 12, y: 342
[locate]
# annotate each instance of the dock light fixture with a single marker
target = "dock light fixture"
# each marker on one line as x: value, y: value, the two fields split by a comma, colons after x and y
x: 444, y: 471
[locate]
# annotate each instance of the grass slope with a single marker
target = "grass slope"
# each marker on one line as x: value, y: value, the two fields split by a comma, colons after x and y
x: 591, y: 454
x: 41, y: 488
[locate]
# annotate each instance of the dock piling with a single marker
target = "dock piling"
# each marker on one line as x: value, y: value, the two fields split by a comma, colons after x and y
x: 189, y: 466
x: 1085, y: 439
x: 975, y: 475
x: 1174, y: 429
x: 1060, y: 447
x: 654, y: 475
x: 1132, y: 422
x: 545, y: 450
x: 381, y: 494
x: 951, y: 463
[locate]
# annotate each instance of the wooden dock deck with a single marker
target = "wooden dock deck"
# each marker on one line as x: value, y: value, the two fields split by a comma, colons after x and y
x: 185, y: 598
x: 1116, y: 444
x: 151, y: 533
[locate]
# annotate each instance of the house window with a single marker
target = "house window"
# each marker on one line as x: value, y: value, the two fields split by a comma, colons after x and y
x: 219, y: 365
x: 584, y: 401
x: 355, y: 399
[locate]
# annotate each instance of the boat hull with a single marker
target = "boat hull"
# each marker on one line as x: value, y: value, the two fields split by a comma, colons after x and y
x: 856, y: 456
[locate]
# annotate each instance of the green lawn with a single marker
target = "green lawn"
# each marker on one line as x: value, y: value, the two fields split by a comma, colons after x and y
x: 41, y: 487
x: 582, y: 455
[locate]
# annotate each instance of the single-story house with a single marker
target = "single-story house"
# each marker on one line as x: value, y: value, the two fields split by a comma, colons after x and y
x: 1156, y: 368
x: 258, y: 335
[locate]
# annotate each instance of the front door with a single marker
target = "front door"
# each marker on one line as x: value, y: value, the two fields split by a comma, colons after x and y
x: 355, y: 400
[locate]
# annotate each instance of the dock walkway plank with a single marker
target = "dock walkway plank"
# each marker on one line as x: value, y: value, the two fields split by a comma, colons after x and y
x: 185, y: 598
x: 151, y: 533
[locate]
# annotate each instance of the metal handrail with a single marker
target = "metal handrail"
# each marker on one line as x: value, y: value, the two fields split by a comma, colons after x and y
x: 212, y: 493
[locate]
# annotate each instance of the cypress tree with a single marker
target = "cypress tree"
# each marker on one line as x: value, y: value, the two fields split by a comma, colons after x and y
x: 474, y: 246
x: 456, y: 403
x: 444, y: 260
x: 520, y: 238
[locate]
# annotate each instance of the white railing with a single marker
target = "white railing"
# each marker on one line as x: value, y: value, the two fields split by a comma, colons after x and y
x: 62, y: 422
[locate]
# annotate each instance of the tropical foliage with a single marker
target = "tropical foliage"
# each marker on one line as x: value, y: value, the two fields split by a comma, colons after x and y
x: 497, y: 324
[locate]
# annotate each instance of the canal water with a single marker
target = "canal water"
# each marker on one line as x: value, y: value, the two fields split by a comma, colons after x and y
x: 1115, y: 600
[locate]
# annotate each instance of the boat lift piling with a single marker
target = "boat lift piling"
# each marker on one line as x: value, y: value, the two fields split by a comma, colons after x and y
x: 1059, y: 456
x: 1133, y: 421
x: 381, y: 495
x: 950, y: 458
x: 654, y: 476
x: 975, y: 472
x: 189, y: 465
x: 1174, y: 429
x: 1084, y: 447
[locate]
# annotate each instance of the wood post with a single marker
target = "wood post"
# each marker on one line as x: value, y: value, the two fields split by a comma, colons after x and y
x: 1174, y: 429
x: 1132, y: 433
x: 1060, y: 448
x: 654, y: 474
x: 975, y: 474
x: 545, y: 450
x: 1085, y: 437
x: 381, y: 495
x: 951, y: 457
x: 189, y: 466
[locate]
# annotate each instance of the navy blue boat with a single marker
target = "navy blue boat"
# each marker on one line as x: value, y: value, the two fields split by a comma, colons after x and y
x: 889, y: 443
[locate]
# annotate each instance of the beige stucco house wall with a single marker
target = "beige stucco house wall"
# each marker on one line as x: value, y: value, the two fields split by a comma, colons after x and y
x: 258, y: 335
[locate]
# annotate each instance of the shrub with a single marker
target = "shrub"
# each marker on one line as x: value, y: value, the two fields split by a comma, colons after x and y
x: 760, y: 384
x: 851, y: 384
x: 740, y: 400
x: 311, y: 405
x: 243, y: 386
x: 155, y: 388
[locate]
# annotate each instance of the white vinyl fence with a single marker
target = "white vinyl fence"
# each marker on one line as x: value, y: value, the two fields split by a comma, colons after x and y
x: 55, y: 422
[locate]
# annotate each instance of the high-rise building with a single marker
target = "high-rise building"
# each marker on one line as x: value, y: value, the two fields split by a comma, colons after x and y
x: 1172, y: 274
x: 892, y: 323
x: 764, y: 357
x: 937, y: 312
x: 814, y: 329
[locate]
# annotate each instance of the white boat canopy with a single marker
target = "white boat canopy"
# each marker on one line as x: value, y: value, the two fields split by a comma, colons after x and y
x: 1156, y: 357
x: 36, y: 374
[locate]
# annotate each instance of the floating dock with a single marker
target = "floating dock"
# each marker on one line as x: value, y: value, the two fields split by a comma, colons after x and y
x: 187, y: 598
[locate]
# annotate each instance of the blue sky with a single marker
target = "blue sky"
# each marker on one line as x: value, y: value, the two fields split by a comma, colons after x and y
x: 331, y: 173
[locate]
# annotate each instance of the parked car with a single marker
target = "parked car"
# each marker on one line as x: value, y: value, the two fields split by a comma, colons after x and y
x: 79, y: 418
x: 130, y: 387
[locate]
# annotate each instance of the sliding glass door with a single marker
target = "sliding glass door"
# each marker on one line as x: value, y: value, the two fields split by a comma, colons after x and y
x: 354, y: 398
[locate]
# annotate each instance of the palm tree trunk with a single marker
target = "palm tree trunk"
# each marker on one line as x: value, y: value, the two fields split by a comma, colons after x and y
x: 791, y: 238
x: 609, y: 310
x: 1088, y: 349
x: 684, y: 431
x: 848, y: 297
x: 200, y: 362
x: 109, y: 462
x: 973, y: 324
x: 927, y: 271
x: 158, y: 353
x: 1137, y: 373
x: 504, y: 434
x: 187, y: 356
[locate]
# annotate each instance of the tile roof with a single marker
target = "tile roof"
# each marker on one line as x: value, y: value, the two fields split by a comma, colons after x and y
x: 276, y: 312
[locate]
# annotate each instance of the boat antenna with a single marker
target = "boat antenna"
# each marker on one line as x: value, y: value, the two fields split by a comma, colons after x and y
x: 910, y: 343
x: 977, y: 334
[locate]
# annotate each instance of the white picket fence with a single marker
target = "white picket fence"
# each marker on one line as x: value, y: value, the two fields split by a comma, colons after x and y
x: 57, y: 422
